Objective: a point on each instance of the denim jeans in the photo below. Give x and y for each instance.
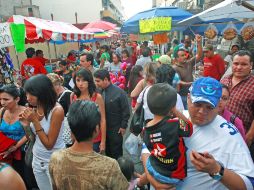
(41, 173)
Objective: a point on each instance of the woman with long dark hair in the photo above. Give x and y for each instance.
(45, 116)
(136, 75)
(85, 89)
(12, 99)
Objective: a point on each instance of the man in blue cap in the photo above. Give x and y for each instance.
(217, 156)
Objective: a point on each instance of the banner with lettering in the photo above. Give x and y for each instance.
(5, 35)
(158, 24)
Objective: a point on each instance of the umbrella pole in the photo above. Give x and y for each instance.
(17, 58)
(49, 51)
(55, 49)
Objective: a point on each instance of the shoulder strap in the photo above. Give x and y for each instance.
(143, 95)
(94, 97)
(232, 118)
(66, 90)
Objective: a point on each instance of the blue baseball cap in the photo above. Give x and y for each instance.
(206, 89)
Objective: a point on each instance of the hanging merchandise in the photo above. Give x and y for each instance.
(230, 32)
(247, 31)
(211, 31)
(160, 38)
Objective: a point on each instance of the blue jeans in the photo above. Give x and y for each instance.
(159, 177)
(41, 173)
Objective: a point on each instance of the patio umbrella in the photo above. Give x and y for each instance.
(92, 30)
(228, 9)
(101, 25)
(131, 26)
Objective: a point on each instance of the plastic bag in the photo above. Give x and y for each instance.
(132, 144)
(247, 31)
(230, 32)
(211, 31)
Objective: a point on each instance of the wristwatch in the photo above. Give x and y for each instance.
(217, 176)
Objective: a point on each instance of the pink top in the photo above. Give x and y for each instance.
(238, 122)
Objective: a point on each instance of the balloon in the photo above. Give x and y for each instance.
(121, 86)
(123, 66)
(122, 79)
(113, 80)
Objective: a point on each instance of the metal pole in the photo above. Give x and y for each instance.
(17, 57)
(49, 51)
(55, 49)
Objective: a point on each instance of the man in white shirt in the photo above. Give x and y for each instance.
(217, 156)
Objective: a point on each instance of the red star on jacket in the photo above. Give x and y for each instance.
(159, 150)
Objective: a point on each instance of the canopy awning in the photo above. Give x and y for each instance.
(39, 30)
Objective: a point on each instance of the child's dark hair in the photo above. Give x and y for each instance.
(225, 87)
(83, 117)
(165, 73)
(15, 92)
(127, 167)
(161, 98)
(87, 76)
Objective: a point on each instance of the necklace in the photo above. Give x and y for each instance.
(40, 115)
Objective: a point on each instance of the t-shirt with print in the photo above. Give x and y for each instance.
(31, 67)
(165, 142)
(222, 140)
(71, 170)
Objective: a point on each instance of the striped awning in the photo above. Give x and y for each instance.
(39, 30)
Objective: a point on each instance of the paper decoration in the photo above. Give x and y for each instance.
(5, 35)
(18, 36)
(158, 24)
(160, 38)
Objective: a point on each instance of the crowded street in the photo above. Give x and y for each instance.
(127, 95)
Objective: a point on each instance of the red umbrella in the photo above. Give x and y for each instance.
(101, 25)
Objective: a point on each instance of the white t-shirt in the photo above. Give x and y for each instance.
(228, 59)
(222, 140)
(147, 112)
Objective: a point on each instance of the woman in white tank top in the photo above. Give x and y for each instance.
(45, 116)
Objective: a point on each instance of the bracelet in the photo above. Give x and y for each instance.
(41, 129)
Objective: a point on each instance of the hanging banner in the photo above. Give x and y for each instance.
(5, 35)
(158, 24)
(18, 35)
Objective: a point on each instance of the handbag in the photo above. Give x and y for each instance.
(29, 146)
(137, 120)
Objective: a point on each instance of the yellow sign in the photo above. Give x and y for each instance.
(158, 24)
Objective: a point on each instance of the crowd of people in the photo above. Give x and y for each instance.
(65, 129)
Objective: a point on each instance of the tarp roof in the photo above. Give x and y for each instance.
(39, 30)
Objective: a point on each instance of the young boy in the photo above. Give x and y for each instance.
(163, 136)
